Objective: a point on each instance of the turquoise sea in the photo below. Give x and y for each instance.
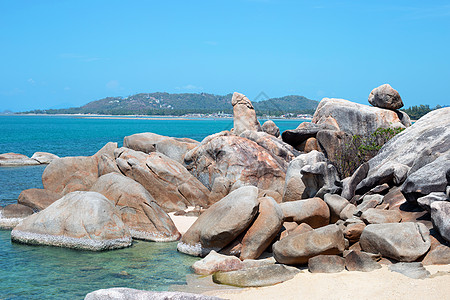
(37, 272)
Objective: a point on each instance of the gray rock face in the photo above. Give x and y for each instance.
(299, 248)
(401, 241)
(326, 264)
(281, 151)
(263, 230)
(13, 214)
(215, 262)
(148, 142)
(132, 294)
(244, 114)
(319, 179)
(416, 147)
(237, 159)
(438, 256)
(254, 277)
(270, 128)
(379, 216)
(385, 96)
(294, 188)
(44, 157)
(221, 223)
(313, 212)
(170, 184)
(80, 220)
(37, 199)
(357, 119)
(14, 159)
(336, 204)
(425, 201)
(360, 261)
(303, 132)
(143, 216)
(349, 186)
(413, 270)
(440, 215)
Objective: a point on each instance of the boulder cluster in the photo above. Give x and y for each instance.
(260, 194)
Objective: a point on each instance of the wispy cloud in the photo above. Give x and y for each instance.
(189, 87)
(79, 57)
(31, 81)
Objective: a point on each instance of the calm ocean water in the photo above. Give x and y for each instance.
(36, 272)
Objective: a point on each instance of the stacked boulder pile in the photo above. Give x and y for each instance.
(269, 203)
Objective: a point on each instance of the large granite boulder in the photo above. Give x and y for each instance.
(237, 159)
(281, 151)
(313, 211)
(336, 204)
(215, 262)
(14, 159)
(221, 223)
(401, 241)
(244, 114)
(263, 230)
(255, 277)
(320, 178)
(13, 214)
(170, 184)
(133, 294)
(422, 148)
(379, 216)
(385, 96)
(79, 220)
(440, 215)
(298, 248)
(271, 128)
(44, 157)
(304, 131)
(326, 264)
(360, 261)
(148, 142)
(38, 199)
(143, 216)
(426, 201)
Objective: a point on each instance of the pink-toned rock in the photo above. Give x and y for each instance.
(44, 157)
(378, 216)
(215, 262)
(244, 114)
(38, 199)
(353, 232)
(313, 211)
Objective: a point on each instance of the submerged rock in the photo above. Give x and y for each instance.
(80, 220)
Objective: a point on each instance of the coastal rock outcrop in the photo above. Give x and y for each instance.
(400, 241)
(221, 223)
(360, 261)
(44, 157)
(14, 159)
(130, 294)
(148, 142)
(326, 264)
(385, 96)
(143, 216)
(170, 184)
(313, 211)
(80, 220)
(440, 214)
(215, 262)
(13, 214)
(271, 128)
(38, 199)
(237, 159)
(244, 114)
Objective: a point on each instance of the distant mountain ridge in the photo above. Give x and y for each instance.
(178, 104)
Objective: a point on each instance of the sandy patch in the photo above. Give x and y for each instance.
(379, 284)
(182, 223)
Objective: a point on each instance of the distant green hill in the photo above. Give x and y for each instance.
(179, 104)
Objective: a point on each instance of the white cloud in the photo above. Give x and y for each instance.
(31, 81)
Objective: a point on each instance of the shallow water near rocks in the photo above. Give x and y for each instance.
(40, 272)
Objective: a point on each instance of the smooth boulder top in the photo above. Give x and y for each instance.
(271, 128)
(385, 96)
(79, 220)
(13, 214)
(244, 114)
(44, 157)
(357, 119)
(14, 159)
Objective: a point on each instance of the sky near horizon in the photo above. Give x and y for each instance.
(56, 54)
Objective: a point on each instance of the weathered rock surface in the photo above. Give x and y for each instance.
(270, 128)
(244, 114)
(385, 96)
(336, 204)
(347, 212)
(303, 132)
(326, 264)
(423, 148)
(170, 184)
(369, 201)
(14, 159)
(148, 142)
(440, 215)
(220, 188)
(237, 159)
(298, 248)
(38, 199)
(440, 255)
(319, 179)
(425, 201)
(263, 230)
(215, 262)
(313, 212)
(281, 151)
(133, 294)
(44, 157)
(144, 217)
(254, 277)
(80, 220)
(349, 186)
(360, 261)
(379, 216)
(221, 223)
(13, 214)
(413, 270)
(353, 232)
(401, 241)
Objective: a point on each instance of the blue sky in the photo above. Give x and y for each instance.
(71, 52)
